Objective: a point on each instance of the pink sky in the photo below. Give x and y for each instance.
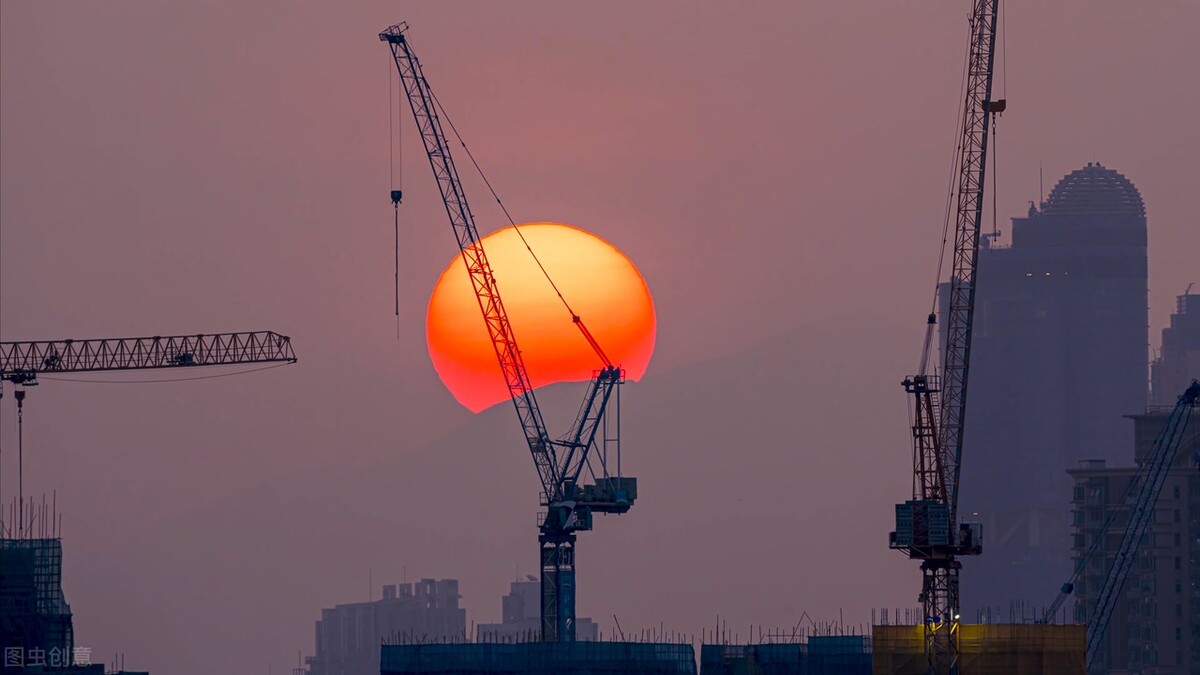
(200, 167)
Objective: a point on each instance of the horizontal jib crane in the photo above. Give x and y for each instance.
(20, 362)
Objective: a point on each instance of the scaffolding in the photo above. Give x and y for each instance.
(33, 611)
(540, 658)
(987, 649)
(820, 655)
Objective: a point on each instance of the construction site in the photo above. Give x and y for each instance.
(1090, 568)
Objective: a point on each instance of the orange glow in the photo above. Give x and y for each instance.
(601, 284)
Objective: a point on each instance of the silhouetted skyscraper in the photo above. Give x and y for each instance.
(1059, 358)
(1178, 362)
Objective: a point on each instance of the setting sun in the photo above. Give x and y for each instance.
(600, 283)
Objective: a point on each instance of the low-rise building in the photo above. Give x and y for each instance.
(348, 637)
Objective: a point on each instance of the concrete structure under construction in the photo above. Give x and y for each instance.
(1059, 358)
(987, 649)
(37, 632)
(522, 620)
(36, 627)
(1155, 626)
(817, 655)
(349, 636)
(996, 649)
(541, 658)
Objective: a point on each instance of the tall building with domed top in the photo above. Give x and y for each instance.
(1059, 358)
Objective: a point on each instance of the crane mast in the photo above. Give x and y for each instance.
(559, 462)
(927, 526)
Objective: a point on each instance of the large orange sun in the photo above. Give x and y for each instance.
(601, 284)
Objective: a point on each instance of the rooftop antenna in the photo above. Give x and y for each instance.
(1041, 188)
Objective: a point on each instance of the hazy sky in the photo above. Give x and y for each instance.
(216, 166)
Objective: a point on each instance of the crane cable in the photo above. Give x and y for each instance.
(395, 147)
(161, 380)
(995, 117)
(503, 208)
(950, 193)
(574, 317)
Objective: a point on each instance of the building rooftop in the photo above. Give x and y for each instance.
(1095, 190)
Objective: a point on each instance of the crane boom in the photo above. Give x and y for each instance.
(559, 462)
(927, 526)
(462, 220)
(20, 362)
(972, 168)
(1148, 483)
(1140, 495)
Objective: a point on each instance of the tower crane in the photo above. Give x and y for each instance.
(22, 362)
(1140, 495)
(560, 462)
(927, 526)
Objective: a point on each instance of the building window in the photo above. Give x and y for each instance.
(1176, 492)
(1177, 515)
(1178, 565)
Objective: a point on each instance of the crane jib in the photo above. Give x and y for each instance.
(22, 361)
(927, 527)
(441, 161)
(1141, 496)
(558, 463)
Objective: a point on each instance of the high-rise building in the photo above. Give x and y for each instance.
(1155, 625)
(1178, 361)
(349, 636)
(1059, 357)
